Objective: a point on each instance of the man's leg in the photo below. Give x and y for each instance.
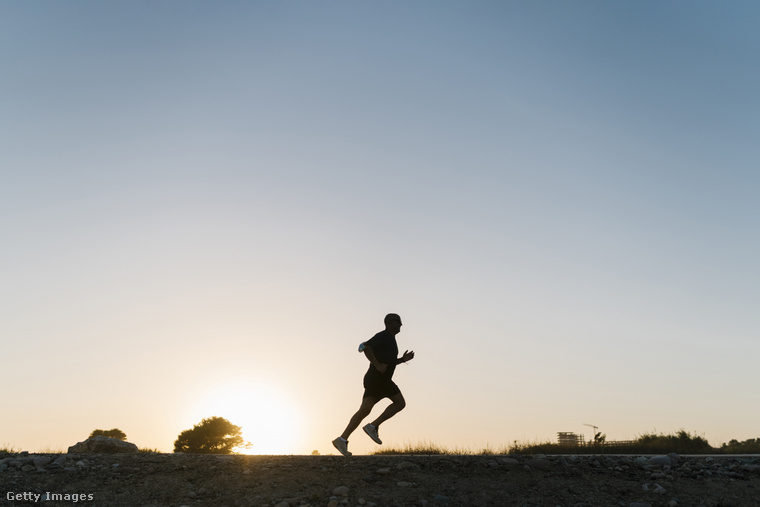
(364, 410)
(394, 408)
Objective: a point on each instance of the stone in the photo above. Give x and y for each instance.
(403, 484)
(661, 461)
(383, 471)
(42, 461)
(539, 463)
(341, 491)
(642, 460)
(103, 445)
(509, 463)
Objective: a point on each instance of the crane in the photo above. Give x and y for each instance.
(593, 438)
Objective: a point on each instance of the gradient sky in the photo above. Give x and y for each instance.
(206, 206)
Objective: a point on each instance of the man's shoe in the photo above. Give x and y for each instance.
(372, 432)
(342, 446)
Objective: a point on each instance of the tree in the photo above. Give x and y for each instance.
(215, 435)
(114, 433)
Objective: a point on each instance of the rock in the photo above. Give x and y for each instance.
(103, 445)
(659, 490)
(509, 463)
(661, 461)
(539, 463)
(403, 484)
(639, 504)
(42, 461)
(405, 465)
(341, 491)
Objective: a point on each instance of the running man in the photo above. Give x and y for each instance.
(382, 352)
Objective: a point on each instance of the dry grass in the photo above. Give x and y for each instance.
(431, 448)
(6, 448)
(680, 442)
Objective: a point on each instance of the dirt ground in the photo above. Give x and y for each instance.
(175, 480)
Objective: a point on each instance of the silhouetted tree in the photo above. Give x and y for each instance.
(215, 435)
(114, 433)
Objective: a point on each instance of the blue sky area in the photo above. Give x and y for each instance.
(559, 198)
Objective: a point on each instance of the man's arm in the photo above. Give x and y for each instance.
(372, 359)
(408, 356)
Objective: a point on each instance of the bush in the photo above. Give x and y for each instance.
(114, 433)
(750, 446)
(215, 435)
(681, 443)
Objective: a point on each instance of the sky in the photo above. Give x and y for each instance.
(206, 206)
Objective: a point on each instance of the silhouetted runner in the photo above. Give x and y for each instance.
(382, 352)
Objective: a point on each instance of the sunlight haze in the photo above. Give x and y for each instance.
(207, 206)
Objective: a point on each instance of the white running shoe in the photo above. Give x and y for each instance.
(342, 446)
(372, 432)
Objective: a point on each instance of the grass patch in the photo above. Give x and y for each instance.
(751, 446)
(149, 451)
(7, 449)
(680, 442)
(51, 450)
(431, 448)
(418, 448)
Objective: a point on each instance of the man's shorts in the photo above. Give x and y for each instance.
(379, 388)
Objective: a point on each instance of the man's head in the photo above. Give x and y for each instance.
(392, 323)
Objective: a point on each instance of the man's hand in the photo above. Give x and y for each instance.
(381, 367)
(408, 356)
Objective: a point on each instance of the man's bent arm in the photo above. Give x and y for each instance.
(408, 356)
(372, 359)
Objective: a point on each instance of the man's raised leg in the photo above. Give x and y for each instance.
(341, 443)
(394, 408)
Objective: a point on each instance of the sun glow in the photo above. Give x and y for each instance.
(269, 421)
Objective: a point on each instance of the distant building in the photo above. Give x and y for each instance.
(570, 439)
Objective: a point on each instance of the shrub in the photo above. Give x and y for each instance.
(750, 446)
(215, 435)
(114, 433)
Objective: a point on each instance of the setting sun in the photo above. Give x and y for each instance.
(269, 421)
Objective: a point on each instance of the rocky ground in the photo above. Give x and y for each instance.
(175, 480)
